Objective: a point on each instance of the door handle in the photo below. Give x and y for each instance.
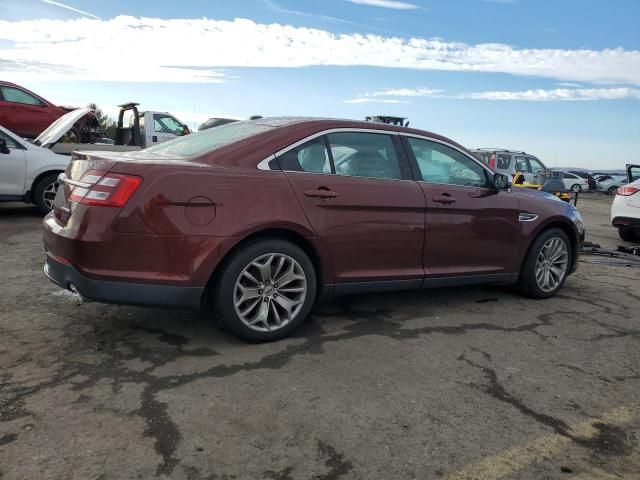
(445, 198)
(320, 193)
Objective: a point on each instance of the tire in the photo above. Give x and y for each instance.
(627, 234)
(44, 193)
(612, 191)
(528, 281)
(261, 287)
(576, 187)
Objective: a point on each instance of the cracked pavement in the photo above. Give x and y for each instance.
(448, 383)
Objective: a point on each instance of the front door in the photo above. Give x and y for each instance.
(24, 114)
(357, 192)
(471, 228)
(12, 168)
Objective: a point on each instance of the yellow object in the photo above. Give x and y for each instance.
(519, 181)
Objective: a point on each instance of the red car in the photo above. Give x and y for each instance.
(262, 218)
(25, 113)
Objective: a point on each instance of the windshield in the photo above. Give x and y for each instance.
(207, 140)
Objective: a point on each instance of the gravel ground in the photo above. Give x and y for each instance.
(449, 383)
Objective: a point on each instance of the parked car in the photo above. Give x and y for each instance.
(509, 162)
(611, 185)
(27, 114)
(261, 218)
(587, 176)
(574, 182)
(28, 173)
(625, 209)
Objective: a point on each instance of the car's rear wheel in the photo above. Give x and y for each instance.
(612, 190)
(576, 187)
(265, 290)
(546, 265)
(44, 193)
(627, 234)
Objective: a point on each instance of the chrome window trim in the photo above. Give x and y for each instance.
(282, 151)
(264, 164)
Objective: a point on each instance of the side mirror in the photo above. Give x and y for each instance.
(3, 146)
(501, 182)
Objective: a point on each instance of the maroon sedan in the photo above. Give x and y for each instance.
(262, 218)
(25, 113)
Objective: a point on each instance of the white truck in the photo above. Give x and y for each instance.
(134, 130)
(29, 171)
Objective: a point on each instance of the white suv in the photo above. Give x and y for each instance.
(625, 210)
(28, 173)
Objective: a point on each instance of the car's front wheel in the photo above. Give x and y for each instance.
(44, 193)
(265, 290)
(546, 265)
(576, 187)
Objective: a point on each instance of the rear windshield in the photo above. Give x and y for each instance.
(207, 140)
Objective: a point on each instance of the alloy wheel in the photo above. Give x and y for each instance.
(49, 195)
(551, 264)
(270, 292)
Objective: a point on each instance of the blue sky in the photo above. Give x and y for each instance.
(560, 79)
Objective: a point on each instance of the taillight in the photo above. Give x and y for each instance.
(627, 190)
(105, 189)
(492, 161)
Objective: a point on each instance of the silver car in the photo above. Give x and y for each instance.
(509, 162)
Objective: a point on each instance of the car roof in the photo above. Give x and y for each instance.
(329, 123)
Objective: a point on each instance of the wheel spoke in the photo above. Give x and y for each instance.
(265, 269)
(247, 294)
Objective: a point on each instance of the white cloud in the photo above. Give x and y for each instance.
(406, 92)
(193, 50)
(67, 7)
(396, 5)
(617, 93)
(363, 100)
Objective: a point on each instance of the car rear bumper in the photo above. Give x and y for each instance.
(623, 222)
(127, 293)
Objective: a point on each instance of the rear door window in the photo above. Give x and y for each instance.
(311, 157)
(359, 154)
(503, 161)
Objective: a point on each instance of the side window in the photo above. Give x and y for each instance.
(167, 124)
(18, 96)
(360, 154)
(522, 165)
(309, 157)
(504, 160)
(536, 165)
(441, 164)
(11, 143)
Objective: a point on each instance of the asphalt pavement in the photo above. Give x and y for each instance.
(456, 383)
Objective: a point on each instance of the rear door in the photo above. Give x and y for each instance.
(13, 167)
(471, 229)
(357, 191)
(633, 173)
